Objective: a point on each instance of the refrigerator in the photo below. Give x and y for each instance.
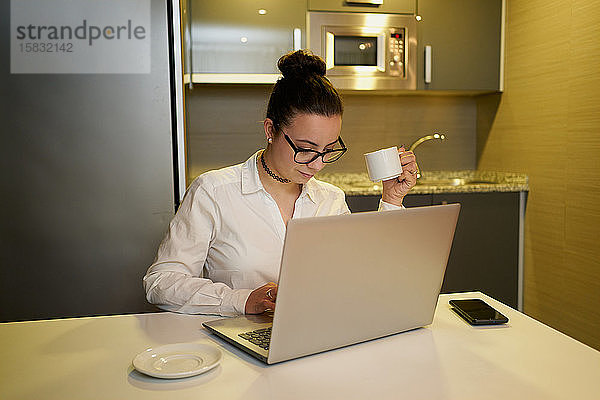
(91, 153)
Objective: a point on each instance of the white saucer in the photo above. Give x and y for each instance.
(178, 360)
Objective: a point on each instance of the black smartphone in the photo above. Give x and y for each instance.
(477, 312)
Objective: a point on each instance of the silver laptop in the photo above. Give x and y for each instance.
(347, 279)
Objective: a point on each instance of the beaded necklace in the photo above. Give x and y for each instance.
(271, 173)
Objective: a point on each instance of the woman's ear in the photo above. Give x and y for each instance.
(269, 129)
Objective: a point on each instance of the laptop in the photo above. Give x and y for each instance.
(348, 279)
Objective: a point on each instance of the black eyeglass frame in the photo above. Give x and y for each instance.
(318, 154)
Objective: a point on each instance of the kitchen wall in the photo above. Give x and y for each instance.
(547, 124)
(225, 127)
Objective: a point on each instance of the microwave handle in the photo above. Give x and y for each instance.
(363, 2)
(427, 64)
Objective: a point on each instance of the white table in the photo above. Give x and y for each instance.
(90, 358)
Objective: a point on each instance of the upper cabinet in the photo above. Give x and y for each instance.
(242, 37)
(377, 6)
(465, 39)
(240, 41)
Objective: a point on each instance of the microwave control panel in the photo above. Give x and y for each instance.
(396, 52)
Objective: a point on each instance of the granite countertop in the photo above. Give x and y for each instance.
(469, 181)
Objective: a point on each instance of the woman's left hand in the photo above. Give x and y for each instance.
(395, 189)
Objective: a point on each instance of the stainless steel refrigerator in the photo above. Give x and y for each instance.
(91, 172)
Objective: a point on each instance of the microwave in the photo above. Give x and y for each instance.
(365, 51)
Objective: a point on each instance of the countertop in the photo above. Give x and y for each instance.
(468, 181)
(90, 358)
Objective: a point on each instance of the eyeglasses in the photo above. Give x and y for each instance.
(306, 156)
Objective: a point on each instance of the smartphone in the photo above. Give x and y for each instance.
(477, 312)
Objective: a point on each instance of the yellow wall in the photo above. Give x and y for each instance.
(547, 124)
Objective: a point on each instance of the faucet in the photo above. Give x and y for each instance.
(416, 144)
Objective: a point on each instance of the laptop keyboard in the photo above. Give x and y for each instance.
(260, 337)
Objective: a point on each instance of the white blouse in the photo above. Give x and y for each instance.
(226, 240)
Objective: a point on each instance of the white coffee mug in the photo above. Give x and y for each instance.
(383, 164)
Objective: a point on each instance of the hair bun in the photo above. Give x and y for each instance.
(301, 64)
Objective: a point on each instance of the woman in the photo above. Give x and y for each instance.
(223, 247)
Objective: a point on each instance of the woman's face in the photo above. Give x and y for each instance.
(306, 131)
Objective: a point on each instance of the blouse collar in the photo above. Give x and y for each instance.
(251, 182)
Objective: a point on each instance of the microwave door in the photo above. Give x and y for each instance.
(350, 52)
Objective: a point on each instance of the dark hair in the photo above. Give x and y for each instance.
(302, 89)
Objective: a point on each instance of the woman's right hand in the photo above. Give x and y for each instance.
(262, 299)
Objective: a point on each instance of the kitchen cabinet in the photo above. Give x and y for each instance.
(371, 203)
(388, 6)
(485, 254)
(243, 37)
(240, 41)
(466, 44)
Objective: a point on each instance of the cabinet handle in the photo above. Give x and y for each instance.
(427, 64)
(297, 39)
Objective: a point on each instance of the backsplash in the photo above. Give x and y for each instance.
(225, 127)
